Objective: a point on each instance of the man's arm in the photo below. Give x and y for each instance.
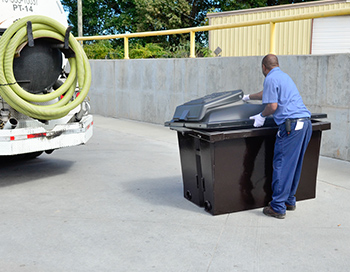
(269, 109)
(259, 119)
(256, 96)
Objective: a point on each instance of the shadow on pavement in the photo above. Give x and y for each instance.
(18, 170)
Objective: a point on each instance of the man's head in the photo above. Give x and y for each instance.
(269, 62)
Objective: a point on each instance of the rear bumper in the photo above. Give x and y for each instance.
(27, 140)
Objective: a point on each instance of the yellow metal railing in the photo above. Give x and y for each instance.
(193, 30)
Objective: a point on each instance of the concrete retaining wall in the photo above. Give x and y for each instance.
(150, 89)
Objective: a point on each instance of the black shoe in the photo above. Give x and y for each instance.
(270, 212)
(291, 207)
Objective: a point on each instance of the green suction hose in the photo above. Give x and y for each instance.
(28, 103)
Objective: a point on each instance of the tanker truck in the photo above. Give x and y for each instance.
(45, 77)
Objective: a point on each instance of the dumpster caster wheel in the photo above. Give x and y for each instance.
(188, 195)
(207, 206)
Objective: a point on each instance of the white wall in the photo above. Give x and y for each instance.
(331, 35)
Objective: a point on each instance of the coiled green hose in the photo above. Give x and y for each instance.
(28, 103)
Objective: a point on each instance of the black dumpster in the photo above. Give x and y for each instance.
(226, 162)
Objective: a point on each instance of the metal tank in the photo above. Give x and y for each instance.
(45, 77)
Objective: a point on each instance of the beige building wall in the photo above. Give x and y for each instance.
(292, 38)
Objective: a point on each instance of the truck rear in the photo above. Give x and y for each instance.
(45, 77)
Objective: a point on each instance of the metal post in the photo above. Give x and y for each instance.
(272, 38)
(126, 48)
(80, 19)
(193, 44)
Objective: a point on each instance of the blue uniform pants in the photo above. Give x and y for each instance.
(287, 163)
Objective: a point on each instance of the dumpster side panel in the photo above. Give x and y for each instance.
(208, 166)
(237, 173)
(190, 162)
(222, 189)
(307, 183)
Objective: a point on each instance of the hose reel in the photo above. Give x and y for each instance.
(34, 102)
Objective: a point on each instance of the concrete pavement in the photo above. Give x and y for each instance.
(116, 204)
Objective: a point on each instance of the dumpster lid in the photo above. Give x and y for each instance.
(223, 110)
(195, 110)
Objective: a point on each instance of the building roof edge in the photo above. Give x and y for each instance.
(273, 8)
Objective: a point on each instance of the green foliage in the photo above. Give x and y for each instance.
(183, 50)
(105, 50)
(96, 16)
(150, 50)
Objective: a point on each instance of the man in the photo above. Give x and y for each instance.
(283, 101)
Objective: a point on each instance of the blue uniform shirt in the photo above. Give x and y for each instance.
(280, 88)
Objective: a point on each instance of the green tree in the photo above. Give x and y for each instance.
(98, 16)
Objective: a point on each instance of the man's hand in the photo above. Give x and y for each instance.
(259, 120)
(246, 98)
